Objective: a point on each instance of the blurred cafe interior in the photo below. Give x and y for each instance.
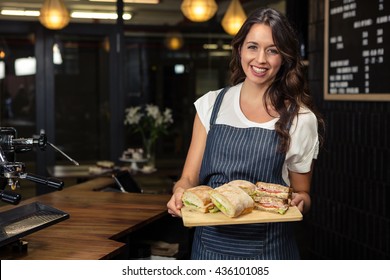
(64, 91)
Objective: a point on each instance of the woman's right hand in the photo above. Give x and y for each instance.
(175, 203)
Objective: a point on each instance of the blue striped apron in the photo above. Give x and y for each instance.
(250, 154)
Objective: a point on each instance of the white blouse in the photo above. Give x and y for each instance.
(304, 137)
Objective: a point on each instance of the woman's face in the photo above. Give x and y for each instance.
(260, 59)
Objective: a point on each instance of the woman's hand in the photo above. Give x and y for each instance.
(175, 203)
(300, 182)
(301, 200)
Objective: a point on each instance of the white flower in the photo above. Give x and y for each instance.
(153, 111)
(167, 117)
(148, 120)
(133, 115)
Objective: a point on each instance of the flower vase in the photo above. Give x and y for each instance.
(150, 152)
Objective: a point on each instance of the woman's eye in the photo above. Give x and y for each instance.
(252, 47)
(273, 51)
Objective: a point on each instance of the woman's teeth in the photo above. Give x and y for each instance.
(259, 70)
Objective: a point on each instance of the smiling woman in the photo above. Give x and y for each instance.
(246, 131)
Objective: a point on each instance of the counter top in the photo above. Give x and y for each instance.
(97, 221)
(158, 182)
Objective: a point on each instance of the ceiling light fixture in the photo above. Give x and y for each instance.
(234, 18)
(199, 10)
(54, 14)
(25, 13)
(216, 46)
(95, 15)
(130, 1)
(75, 14)
(174, 41)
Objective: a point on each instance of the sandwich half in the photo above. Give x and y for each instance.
(247, 186)
(272, 197)
(271, 204)
(198, 199)
(268, 189)
(231, 200)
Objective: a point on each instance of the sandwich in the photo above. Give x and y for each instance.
(271, 204)
(269, 189)
(247, 186)
(232, 200)
(198, 199)
(272, 197)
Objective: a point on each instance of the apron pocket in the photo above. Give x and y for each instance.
(242, 241)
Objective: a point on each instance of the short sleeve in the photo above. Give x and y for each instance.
(204, 107)
(304, 144)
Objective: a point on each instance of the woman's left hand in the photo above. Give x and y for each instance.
(301, 200)
(300, 182)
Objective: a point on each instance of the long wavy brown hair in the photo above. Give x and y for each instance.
(290, 82)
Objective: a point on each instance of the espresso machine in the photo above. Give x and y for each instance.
(23, 220)
(11, 171)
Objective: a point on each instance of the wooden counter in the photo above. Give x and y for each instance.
(97, 221)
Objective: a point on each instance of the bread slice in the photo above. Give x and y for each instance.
(231, 200)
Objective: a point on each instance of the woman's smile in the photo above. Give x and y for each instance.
(259, 70)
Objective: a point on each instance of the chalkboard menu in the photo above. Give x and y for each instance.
(357, 50)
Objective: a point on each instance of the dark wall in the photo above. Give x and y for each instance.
(350, 216)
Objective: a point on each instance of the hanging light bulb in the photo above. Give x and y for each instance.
(199, 10)
(174, 41)
(54, 14)
(234, 18)
(4, 51)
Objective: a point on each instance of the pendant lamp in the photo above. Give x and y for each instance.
(199, 10)
(174, 41)
(234, 18)
(54, 14)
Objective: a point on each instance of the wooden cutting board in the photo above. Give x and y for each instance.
(194, 218)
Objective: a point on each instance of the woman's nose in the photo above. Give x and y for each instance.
(261, 56)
